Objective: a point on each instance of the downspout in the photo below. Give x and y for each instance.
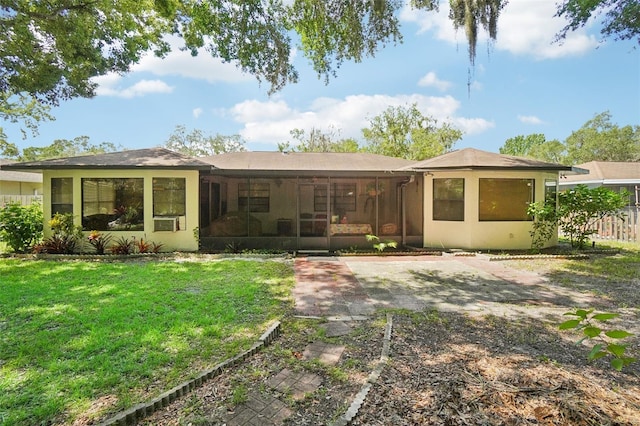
(403, 208)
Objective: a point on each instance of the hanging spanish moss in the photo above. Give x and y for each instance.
(471, 14)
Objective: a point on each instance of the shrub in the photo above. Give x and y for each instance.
(65, 236)
(99, 241)
(545, 224)
(21, 226)
(123, 245)
(142, 245)
(579, 209)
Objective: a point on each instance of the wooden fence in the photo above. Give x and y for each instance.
(612, 228)
(22, 199)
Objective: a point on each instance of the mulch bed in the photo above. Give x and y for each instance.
(445, 369)
(448, 369)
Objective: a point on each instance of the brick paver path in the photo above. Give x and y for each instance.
(268, 410)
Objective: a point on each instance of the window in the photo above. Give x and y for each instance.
(169, 196)
(61, 195)
(448, 199)
(551, 192)
(113, 204)
(505, 199)
(253, 197)
(343, 198)
(320, 198)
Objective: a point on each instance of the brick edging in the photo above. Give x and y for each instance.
(538, 256)
(138, 412)
(357, 402)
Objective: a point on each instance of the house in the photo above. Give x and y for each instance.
(467, 199)
(614, 175)
(23, 187)
(478, 200)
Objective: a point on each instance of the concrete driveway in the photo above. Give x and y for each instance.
(358, 286)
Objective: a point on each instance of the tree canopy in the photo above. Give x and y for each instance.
(597, 140)
(402, 132)
(50, 50)
(405, 132)
(197, 144)
(59, 148)
(621, 17)
(535, 146)
(317, 140)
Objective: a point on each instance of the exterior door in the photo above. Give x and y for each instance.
(313, 215)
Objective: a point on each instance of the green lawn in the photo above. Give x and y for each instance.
(81, 338)
(626, 265)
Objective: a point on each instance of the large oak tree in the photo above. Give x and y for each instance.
(51, 49)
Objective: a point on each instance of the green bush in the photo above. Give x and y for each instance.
(21, 226)
(581, 207)
(66, 236)
(545, 224)
(576, 215)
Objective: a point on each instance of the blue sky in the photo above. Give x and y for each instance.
(523, 84)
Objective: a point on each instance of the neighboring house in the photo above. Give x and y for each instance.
(23, 187)
(467, 199)
(614, 175)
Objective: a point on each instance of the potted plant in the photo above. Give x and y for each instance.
(371, 189)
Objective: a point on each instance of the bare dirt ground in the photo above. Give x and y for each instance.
(450, 368)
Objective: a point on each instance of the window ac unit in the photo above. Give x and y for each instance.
(165, 224)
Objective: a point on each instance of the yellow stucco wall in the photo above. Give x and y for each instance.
(472, 233)
(182, 240)
(20, 188)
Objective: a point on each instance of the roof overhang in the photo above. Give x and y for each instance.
(560, 169)
(309, 173)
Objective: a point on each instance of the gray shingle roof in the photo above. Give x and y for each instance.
(291, 162)
(14, 176)
(306, 161)
(151, 158)
(471, 158)
(601, 171)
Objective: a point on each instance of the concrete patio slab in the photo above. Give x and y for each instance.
(358, 286)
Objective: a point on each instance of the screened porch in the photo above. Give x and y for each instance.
(315, 213)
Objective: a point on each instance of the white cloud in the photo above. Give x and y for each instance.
(182, 63)
(432, 80)
(271, 121)
(476, 86)
(530, 119)
(525, 27)
(197, 112)
(473, 126)
(249, 111)
(528, 27)
(108, 85)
